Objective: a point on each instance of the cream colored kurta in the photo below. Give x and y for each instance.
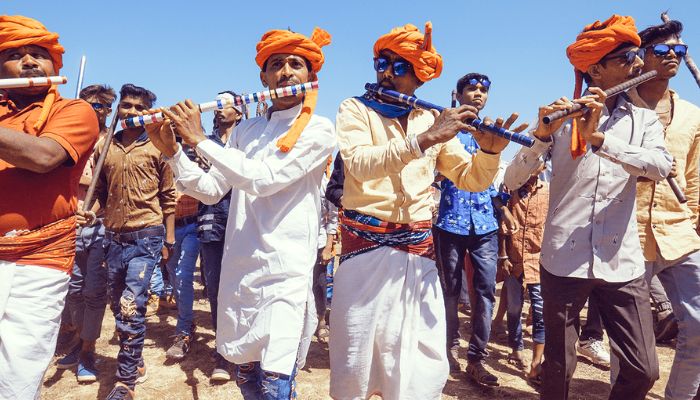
(270, 246)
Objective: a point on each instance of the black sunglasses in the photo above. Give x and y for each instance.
(400, 67)
(484, 82)
(662, 49)
(629, 56)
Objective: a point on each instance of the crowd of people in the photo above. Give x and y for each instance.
(425, 214)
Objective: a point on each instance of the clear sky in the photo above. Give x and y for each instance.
(195, 49)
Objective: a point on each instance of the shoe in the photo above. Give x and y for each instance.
(453, 359)
(477, 373)
(167, 303)
(666, 329)
(152, 305)
(220, 373)
(67, 340)
(180, 346)
(594, 350)
(120, 392)
(87, 372)
(71, 359)
(143, 374)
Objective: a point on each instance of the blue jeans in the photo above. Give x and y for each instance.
(515, 308)
(181, 266)
(130, 264)
(681, 279)
(157, 284)
(258, 384)
(212, 252)
(450, 250)
(87, 288)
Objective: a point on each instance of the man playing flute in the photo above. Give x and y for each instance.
(591, 245)
(388, 316)
(45, 142)
(666, 226)
(273, 166)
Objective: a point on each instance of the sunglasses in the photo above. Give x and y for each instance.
(662, 49)
(400, 67)
(98, 106)
(629, 56)
(484, 82)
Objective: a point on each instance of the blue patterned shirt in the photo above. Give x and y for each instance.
(465, 213)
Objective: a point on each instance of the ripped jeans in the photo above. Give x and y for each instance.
(258, 384)
(131, 259)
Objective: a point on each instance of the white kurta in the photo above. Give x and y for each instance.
(271, 235)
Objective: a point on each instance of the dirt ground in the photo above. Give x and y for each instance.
(189, 378)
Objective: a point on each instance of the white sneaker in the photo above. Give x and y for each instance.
(595, 351)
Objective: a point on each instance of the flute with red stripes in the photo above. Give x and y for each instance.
(226, 100)
(13, 83)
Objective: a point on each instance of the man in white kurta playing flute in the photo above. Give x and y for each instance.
(388, 316)
(273, 164)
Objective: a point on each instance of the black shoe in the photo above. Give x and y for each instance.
(453, 359)
(666, 329)
(180, 347)
(220, 373)
(120, 392)
(476, 371)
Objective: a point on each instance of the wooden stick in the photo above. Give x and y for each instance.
(87, 203)
(687, 58)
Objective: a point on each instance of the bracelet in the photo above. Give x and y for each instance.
(502, 258)
(168, 245)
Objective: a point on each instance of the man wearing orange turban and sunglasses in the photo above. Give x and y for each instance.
(45, 141)
(272, 165)
(388, 317)
(591, 243)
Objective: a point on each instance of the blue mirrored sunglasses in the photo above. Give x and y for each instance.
(484, 82)
(662, 49)
(400, 67)
(98, 106)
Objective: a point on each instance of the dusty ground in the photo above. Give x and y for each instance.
(189, 379)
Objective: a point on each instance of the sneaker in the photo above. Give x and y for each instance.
(477, 373)
(180, 346)
(143, 374)
(71, 359)
(666, 329)
(120, 392)
(220, 373)
(152, 305)
(452, 359)
(594, 350)
(87, 372)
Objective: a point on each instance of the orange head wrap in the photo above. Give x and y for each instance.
(17, 31)
(595, 42)
(287, 42)
(408, 42)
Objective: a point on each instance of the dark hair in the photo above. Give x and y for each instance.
(663, 31)
(103, 93)
(463, 81)
(129, 90)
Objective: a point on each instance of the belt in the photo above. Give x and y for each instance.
(186, 220)
(122, 237)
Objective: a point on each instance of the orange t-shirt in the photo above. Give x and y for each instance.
(32, 200)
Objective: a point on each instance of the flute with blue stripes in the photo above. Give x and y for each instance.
(227, 100)
(523, 140)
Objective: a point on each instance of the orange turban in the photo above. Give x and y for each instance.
(409, 43)
(17, 31)
(595, 42)
(279, 41)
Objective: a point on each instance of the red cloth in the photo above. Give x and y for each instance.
(287, 42)
(51, 246)
(591, 45)
(408, 42)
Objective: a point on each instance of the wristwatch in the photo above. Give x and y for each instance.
(169, 245)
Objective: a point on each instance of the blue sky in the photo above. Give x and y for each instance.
(195, 49)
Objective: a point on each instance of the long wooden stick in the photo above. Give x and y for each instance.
(87, 203)
(687, 58)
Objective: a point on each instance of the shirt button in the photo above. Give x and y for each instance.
(654, 226)
(654, 204)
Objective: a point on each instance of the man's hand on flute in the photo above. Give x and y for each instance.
(491, 143)
(162, 135)
(589, 116)
(186, 119)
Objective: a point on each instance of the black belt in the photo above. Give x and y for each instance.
(186, 220)
(122, 237)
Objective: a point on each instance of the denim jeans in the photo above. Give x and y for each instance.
(450, 250)
(258, 384)
(681, 279)
(87, 288)
(181, 266)
(515, 308)
(212, 252)
(130, 264)
(157, 284)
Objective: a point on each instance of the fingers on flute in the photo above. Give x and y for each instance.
(511, 120)
(598, 93)
(169, 114)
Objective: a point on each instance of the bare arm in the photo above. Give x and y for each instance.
(36, 154)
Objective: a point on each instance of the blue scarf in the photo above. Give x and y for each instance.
(384, 109)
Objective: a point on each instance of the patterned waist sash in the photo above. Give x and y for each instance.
(363, 233)
(51, 245)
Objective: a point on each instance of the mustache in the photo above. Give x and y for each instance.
(286, 82)
(32, 73)
(387, 84)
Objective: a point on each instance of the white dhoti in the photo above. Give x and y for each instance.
(31, 302)
(387, 328)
